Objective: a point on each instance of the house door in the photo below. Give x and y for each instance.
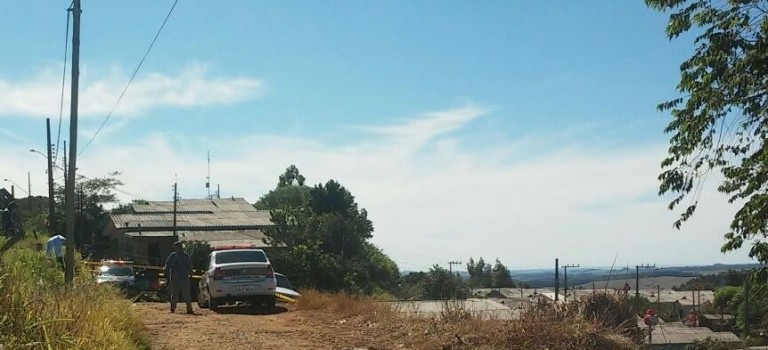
(153, 250)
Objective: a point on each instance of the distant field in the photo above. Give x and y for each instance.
(666, 282)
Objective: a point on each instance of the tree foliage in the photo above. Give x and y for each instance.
(732, 299)
(439, 284)
(92, 195)
(482, 275)
(200, 252)
(326, 236)
(721, 120)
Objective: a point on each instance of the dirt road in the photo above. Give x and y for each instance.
(244, 328)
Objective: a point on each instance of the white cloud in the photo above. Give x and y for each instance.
(193, 86)
(433, 200)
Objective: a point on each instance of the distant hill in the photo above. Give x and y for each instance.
(541, 278)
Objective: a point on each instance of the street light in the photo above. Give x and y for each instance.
(46, 157)
(17, 185)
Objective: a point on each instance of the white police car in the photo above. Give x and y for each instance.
(237, 274)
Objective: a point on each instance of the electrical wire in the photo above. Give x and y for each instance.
(63, 82)
(135, 71)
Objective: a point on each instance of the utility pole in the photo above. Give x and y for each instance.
(637, 281)
(565, 280)
(29, 185)
(747, 301)
(51, 202)
(69, 258)
(557, 279)
(450, 265)
(208, 178)
(175, 198)
(64, 159)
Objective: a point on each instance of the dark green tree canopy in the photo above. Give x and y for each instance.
(721, 120)
(291, 177)
(327, 238)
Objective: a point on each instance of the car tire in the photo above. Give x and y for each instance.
(270, 302)
(201, 302)
(213, 304)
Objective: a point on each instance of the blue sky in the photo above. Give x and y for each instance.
(483, 126)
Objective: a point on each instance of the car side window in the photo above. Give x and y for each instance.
(211, 261)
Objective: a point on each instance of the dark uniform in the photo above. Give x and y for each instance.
(178, 268)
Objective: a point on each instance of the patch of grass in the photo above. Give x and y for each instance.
(37, 311)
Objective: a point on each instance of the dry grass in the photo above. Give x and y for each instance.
(38, 312)
(371, 324)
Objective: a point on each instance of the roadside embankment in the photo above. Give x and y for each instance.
(37, 311)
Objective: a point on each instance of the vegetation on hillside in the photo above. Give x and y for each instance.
(38, 312)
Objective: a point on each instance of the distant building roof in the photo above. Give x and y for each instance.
(676, 333)
(214, 205)
(234, 213)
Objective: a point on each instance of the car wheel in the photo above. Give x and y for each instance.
(270, 302)
(213, 304)
(201, 302)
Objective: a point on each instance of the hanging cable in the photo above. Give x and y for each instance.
(135, 71)
(63, 81)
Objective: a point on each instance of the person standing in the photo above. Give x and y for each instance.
(178, 268)
(54, 248)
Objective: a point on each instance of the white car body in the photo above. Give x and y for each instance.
(284, 287)
(120, 275)
(237, 275)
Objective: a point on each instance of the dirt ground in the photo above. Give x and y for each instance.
(234, 328)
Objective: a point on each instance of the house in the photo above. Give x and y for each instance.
(674, 335)
(146, 233)
(718, 323)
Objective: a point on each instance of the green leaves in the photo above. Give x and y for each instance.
(721, 120)
(326, 235)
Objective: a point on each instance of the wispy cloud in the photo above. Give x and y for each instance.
(447, 201)
(39, 95)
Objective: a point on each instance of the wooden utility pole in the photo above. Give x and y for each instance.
(557, 279)
(51, 202)
(637, 281)
(565, 280)
(450, 265)
(29, 186)
(69, 272)
(175, 199)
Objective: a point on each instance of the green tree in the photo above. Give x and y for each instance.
(720, 122)
(327, 238)
(501, 276)
(291, 177)
(480, 275)
(439, 284)
(92, 195)
(200, 252)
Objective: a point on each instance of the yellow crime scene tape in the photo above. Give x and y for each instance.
(285, 298)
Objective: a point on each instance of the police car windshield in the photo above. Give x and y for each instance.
(239, 256)
(117, 271)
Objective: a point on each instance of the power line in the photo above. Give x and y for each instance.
(136, 71)
(63, 82)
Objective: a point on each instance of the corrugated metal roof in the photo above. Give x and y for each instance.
(196, 205)
(254, 218)
(676, 333)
